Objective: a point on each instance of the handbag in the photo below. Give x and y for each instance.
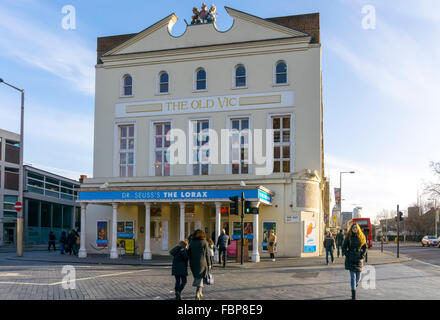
(208, 279)
(271, 243)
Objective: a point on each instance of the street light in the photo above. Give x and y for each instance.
(340, 187)
(20, 182)
(436, 216)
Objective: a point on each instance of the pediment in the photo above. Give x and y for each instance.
(245, 28)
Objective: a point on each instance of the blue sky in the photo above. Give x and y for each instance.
(381, 109)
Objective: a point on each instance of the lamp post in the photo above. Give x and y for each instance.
(340, 187)
(435, 216)
(20, 182)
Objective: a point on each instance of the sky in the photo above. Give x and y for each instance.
(380, 84)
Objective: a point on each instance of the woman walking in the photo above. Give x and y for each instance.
(211, 251)
(271, 244)
(199, 260)
(180, 267)
(354, 249)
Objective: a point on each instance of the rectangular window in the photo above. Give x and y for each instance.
(282, 144)
(126, 151)
(200, 147)
(240, 146)
(33, 213)
(161, 149)
(46, 215)
(8, 206)
(67, 217)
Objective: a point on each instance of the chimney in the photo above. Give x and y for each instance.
(82, 177)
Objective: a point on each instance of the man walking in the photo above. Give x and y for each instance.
(340, 241)
(329, 245)
(222, 245)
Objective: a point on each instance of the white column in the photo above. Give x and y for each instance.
(114, 251)
(182, 221)
(218, 225)
(147, 250)
(255, 252)
(82, 253)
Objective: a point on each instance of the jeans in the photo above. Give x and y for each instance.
(62, 248)
(222, 252)
(180, 283)
(272, 255)
(354, 274)
(52, 244)
(339, 250)
(327, 251)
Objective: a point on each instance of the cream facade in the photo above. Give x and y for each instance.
(257, 75)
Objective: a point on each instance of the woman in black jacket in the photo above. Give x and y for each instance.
(180, 267)
(199, 260)
(354, 249)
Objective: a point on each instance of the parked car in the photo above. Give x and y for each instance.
(429, 241)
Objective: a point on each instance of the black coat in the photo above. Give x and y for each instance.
(329, 243)
(199, 259)
(354, 253)
(180, 261)
(339, 239)
(71, 239)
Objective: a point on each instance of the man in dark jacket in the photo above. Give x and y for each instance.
(71, 240)
(340, 241)
(52, 241)
(180, 267)
(222, 244)
(329, 245)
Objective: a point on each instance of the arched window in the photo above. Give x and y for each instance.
(240, 76)
(128, 85)
(163, 82)
(201, 79)
(281, 73)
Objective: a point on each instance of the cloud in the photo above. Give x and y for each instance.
(27, 41)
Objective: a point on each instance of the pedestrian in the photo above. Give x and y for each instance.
(63, 241)
(222, 245)
(211, 251)
(272, 241)
(340, 241)
(77, 243)
(354, 249)
(199, 260)
(70, 242)
(329, 245)
(180, 267)
(52, 240)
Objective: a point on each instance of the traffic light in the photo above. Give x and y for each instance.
(400, 216)
(233, 206)
(247, 207)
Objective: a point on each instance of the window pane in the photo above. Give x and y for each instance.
(123, 131)
(282, 78)
(286, 123)
(122, 171)
(286, 152)
(276, 152)
(201, 85)
(130, 158)
(130, 143)
(286, 166)
(245, 124)
(276, 136)
(158, 142)
(196, 169)
(240, 71)
(123, 144)
(201, 75)
(158, 170)
(236, 124)
(276, 166)
(286, 136)
(123, 158)
(128, 81)
(131, 131)
(45, 215)
(164, 87)
(159, 157)
(205, 169)
(276, 123)
(235, 168)
(127, 91)
(33, 213)
(281, 68)
(130, 171)
(158, 129)
(244, 154)
(57, 215)
(166, 170)
(164, 77)
(205, 125)
(240, 82)
(244, 168)
(167, 128)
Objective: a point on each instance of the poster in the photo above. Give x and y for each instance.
(267, 226)
(125, 229)
(309, 236)
(232, 248)
(102, 233)
(248, 232)
(126, 244)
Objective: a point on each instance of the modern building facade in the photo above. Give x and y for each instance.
(179, 123)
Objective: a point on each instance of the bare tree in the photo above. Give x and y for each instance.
(433, 188)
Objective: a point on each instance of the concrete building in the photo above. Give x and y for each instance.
(357, 213)
(259, 74)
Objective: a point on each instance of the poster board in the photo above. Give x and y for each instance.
(125, 229)
(309, 236)
(248, 230)
(102, 233)
(126, 244)
(267, 226)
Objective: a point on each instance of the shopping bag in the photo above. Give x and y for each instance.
(208, 279)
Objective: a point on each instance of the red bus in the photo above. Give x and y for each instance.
(365, 225)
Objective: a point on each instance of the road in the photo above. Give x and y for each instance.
(269, 281)
(416, 251)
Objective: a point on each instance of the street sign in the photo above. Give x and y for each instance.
(18, 206)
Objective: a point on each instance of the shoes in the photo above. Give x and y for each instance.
(353, 294)
(327, 263)
(273, 259)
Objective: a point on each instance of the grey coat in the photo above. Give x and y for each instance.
(199, 260)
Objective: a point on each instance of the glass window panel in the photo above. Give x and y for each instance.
(235, 168)
(282, 78)
(244, 168)
(201, 85)
(164, 87)
(167, 128)
(244, 124)
(205, 125)
(159, 157)
(166, 170)
(235, 137)
(198, 127)
(167, 143)
(130, 143)
(286, 135)
(123, 131)
(45, 215)
(127, 91)
(128, 81)
(286, 123)
(240, 71)
(158, 129)
(164, 77)
(281, 67)
(235, 154)
(196, 169)
(276, 166)
(57, 216)
(205, 169)
(158, 170)
(245, 137)
(286, 166)
(244, 154)
(286, 152)
(67, 217)
(131, 131)
(240, 82)
(201, 75)
(130, 171)
(276, 152)
(33, 213)
(53, 181)
(158, 142)
(276, 123)
(236, 124)
(123, 144)
(130, 158)
(122, 171)
(123, 158)
(276, 136)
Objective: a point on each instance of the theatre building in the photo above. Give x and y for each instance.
(183, 123)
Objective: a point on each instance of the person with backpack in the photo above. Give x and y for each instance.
(63, 241)
(52, 240)
(180, 267)
(329, 245)
(354, 249)
(340, 241)
(222, 244)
